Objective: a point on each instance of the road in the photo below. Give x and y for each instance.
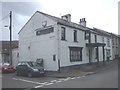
(103, 79)
(107, 78)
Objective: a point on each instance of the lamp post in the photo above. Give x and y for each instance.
(10, 28)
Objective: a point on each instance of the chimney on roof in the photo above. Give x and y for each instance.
(83, 22)
(66, 17)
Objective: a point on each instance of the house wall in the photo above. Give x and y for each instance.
(64, 47)
(114, 47)
(33, 47)
(100, 40)
(15, 56)
(108, 48)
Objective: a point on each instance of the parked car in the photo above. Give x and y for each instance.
(6, 67)
(29, 68)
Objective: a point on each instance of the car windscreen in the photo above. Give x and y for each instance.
(33, 64)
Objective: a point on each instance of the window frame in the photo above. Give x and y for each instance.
(63, 33)
(75, 54)
(75, 35)
(95, 38)
(108, 42)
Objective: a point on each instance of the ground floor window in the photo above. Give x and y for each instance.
(75, 54)
(108, 54)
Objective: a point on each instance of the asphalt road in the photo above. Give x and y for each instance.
(107, 78)
(104, 79)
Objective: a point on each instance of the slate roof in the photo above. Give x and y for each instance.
(102, 32)
(64, 22)
(72, 24)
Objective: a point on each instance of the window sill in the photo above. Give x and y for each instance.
(75, 41)
(75, 60)
(63, 40)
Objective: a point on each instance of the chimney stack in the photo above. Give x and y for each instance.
(67, 17)
(83, 22)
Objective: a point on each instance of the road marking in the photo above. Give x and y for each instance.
(53, 81)
(78, 77)
(73, 78)
(29, 81)
(62, 79)
(39, 86)
(83, 76)
(58, 81)
(49, 84)
(15, 78)
(67, 78)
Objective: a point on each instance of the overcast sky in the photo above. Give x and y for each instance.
(102, 14)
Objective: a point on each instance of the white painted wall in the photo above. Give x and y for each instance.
(99, 40)
(64, 46)
(43, 46)
(15, 56)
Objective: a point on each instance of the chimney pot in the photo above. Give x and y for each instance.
(67, 17)
(83, 22)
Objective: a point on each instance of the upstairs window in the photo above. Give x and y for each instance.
(103, 39)
(63, 33)
(95, 38)
(113, 41)
(116, 42)
(75, 36)
(108, 42)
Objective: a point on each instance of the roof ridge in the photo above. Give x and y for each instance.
(101, 30)
(60, 19)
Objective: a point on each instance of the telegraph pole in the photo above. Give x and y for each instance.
(10, 28)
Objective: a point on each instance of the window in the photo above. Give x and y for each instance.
(75, 36)
(54, 57)
(103, 39)
(87, 36)
(116, 42)
(96, 53)
(62, 33)
(108, 53)
(17, 54)
(113, 41)
(95, 38)
(75, 54)
(108, 42)
(45, 31)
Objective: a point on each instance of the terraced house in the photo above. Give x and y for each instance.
(62, 43)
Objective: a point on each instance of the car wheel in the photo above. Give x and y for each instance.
(29, 74)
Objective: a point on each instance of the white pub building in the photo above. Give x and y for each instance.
(62, 43)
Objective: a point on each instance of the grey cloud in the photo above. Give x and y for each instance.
(23, 8)
(26, 9)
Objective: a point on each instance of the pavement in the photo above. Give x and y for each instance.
(84, 70)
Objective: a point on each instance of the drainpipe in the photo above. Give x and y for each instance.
(58, 48)
(103, 55)
(89, 48)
